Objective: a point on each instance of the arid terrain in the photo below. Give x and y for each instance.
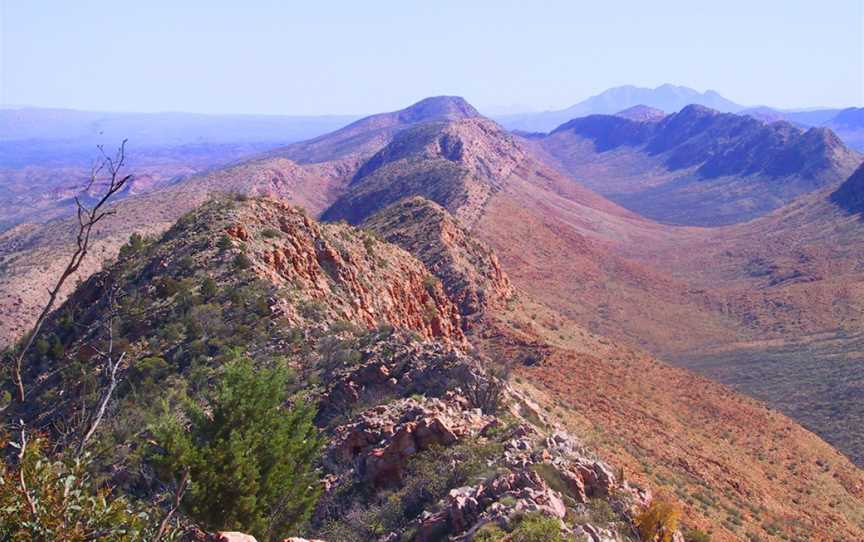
(589, 259)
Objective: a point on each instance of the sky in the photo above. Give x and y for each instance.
(358, 57)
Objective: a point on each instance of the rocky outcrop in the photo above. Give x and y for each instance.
(538, 472)
(340, 273)
(548, 476)
(468, 269)
(398, 367)
(378, 444)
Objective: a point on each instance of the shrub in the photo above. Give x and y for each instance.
(537, 528)
(167, 287)
(57, 351)
(224, 243)
(658, 521)
(209, 289)
(250, 460)
(490, 532)
(270, 233)
(66, 504)
(135, 244)
(242, 261)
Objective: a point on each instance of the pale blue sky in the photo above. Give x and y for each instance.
(312, 57)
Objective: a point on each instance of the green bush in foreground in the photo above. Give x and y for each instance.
(63, 504)
(249, 459)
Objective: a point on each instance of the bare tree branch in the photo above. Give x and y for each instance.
(22, 481)
(178, 496)
(103, 404)
(110, 368)
(88, 217)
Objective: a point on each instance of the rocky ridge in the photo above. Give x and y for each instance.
(400, 396)
(468, 269)
(699, 166)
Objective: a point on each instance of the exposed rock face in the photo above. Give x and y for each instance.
(457, 165)
(398, 368)
(339, 271)
(384, 438)
(536, 463)
(468, 269)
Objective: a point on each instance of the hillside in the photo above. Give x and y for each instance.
(667, 98)
(669, 290)
(793, 278)
(606, 270)
(376, 348)
(311, 174)
(338, 305)
(699, 166)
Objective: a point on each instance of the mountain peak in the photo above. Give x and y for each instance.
(641, 113)
(438, 108)
(697, 110)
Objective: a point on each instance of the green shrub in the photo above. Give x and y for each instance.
(242, 261)
(270, 233)
(167, 287)
(67, 505)
(224, 243)
(537, 528)
(250, 459)
(134, 246)
(490, 532)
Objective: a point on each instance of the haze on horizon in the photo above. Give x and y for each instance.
(269, 57)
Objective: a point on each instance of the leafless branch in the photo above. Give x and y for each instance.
(88, 217)
(111, 366)
(178, 496)
(22, 481)
(103, 404)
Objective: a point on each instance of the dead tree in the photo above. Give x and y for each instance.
(109, 167)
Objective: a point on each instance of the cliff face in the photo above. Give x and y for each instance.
(346, 272)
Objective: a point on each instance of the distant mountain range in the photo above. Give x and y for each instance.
(672, 98)
(667, 98)
(699, 166)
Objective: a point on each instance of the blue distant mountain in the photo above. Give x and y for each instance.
(668, 98)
